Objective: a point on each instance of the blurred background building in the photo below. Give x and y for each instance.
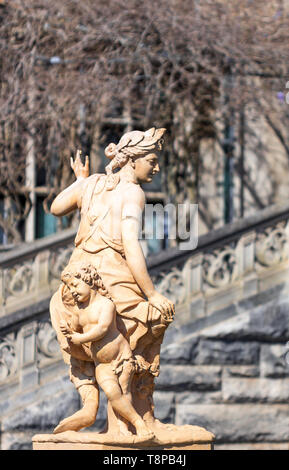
(215, 74)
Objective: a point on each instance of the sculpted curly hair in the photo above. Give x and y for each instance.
(133, 145)
(88, 274)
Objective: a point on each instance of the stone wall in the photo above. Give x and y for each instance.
(232, 377)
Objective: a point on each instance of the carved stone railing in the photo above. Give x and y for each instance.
(235, 258)
(31, 272)
(26, 352)
(229, 264)
(29, 275)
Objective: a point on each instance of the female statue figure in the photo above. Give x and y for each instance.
(111, 205)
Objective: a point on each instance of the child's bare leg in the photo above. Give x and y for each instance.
(125, 378)
(82, 377)
(119, 402)
(84, 417)
(116, 423)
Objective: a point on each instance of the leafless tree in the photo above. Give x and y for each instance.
(187, 65)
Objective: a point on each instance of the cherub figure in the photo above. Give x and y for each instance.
(93, 325)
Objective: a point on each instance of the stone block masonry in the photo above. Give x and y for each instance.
(234, 376)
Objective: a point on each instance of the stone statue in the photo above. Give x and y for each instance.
(108, 316)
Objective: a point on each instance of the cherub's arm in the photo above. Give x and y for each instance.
(97, 331)
(68, 200)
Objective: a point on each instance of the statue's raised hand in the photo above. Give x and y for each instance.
(80, 170)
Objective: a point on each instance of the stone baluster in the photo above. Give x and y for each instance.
(194, 284)
(41, 270)
(250, 283)
(248, 241)
(2, 291)
(9, 360)
(28, 351)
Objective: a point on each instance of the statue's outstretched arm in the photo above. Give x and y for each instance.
(69, 199)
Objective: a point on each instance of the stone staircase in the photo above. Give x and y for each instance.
(225, 361)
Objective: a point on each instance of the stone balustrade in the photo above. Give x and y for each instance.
(239, 260)
(31, 272)
(228, 263)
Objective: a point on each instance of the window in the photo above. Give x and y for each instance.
(45, 223)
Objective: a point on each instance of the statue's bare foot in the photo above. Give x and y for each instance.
(157, 425)
(143, 430)
(172, 427)
(123, 429)
(167, 426)
(81, 419)
(117, 433)
(126, 432)
(67, 424)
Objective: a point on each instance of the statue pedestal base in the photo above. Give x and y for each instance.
(181, 438)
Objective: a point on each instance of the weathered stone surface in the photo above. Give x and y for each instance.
(269, 322)
(261, 298)
(164, 406)
(176, 333)
(250, 285)
(5, 401)
(21, 398)
(44, 414)
(180, 378)
(197, 307)
(191, 398)
(241, 371)
(255, 390)
(257, 446)
(238, 423)
(226, 352)
(17, 440)
(274, 360)
(275, 276)
(179, 352)
(223, 298)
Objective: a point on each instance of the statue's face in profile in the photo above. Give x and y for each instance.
(146, 167)
(80, 291)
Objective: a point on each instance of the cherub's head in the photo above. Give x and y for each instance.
(81, 280)
(139, 150)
